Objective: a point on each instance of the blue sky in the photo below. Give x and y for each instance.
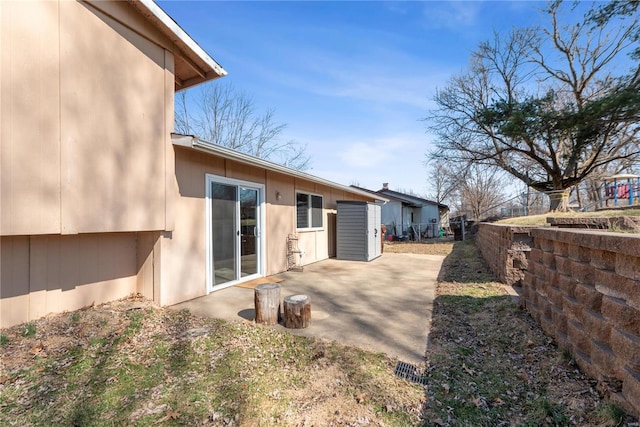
(350, 79)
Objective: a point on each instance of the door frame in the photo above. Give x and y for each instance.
(261, 234)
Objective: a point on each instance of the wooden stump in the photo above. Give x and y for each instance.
(267, 302)
(297, 311)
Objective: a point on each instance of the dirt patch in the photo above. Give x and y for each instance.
(436, 247)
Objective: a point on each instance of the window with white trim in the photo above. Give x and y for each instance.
(308, 211)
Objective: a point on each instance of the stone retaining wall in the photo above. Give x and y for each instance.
(611, 223)
(583, 288)
(505, 249)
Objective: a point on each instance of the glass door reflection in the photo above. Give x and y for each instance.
(223, 232)
(248, 231)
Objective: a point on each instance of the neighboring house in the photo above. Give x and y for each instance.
(404, 211)
(98, 199)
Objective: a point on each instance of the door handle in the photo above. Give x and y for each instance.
(238, 233)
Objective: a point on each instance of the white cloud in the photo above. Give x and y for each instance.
(407, 90)
(377, 66)
(397, 160)
(382, 77)
(451, 15)
(376, 153)
(361, 155)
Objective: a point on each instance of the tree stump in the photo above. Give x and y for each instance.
(297, 311)
(267, 302)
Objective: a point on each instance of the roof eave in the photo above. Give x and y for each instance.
(411, 200)
(196, 143)
(200, 61)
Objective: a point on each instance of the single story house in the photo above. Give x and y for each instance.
(236, 214)
(100, 199)
(406, 214)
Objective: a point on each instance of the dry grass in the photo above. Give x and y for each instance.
(429, 247)
(490, 363)
(130, 363)
(541, 220)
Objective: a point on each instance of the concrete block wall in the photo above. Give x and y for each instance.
(505, 249)
(583, 287)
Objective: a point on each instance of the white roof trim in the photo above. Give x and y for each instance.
(196, 143)
(182, 35)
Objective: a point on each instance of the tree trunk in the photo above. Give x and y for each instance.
(297, 311)
(558, 200)
(267, 303)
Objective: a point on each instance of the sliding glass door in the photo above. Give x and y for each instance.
(234, 231)
(248, 231)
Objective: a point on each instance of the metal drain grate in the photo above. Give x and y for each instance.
(411, 373)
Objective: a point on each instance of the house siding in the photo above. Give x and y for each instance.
(93, 159)
(86, 160)
(183, 269)
(95, 201)
(52, 273)
(400, 208)
(430, 220)
(429, 213)
(29, 114)
(392, 215)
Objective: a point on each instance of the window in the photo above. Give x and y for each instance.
(308, 211)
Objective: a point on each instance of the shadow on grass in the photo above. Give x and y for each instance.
(108, 374)
(465, 265)
(74, 384)
(489, 363)
(122, 367)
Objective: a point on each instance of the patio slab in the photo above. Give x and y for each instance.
(382, 306)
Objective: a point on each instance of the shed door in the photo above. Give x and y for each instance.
(373, 231)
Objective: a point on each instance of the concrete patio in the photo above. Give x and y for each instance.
(383, 306)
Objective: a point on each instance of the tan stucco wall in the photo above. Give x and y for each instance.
(183, 267)
(147, 256)
(281, 221)
(52, 273)
(91, 206)
(86, 161)
(86, 110)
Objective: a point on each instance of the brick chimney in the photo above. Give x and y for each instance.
(385, 185)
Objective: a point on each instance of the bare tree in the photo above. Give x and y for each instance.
(545, 104)
(227, 117)
(480, 190)
(535, 202)
(471, 189)
(440, 180)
